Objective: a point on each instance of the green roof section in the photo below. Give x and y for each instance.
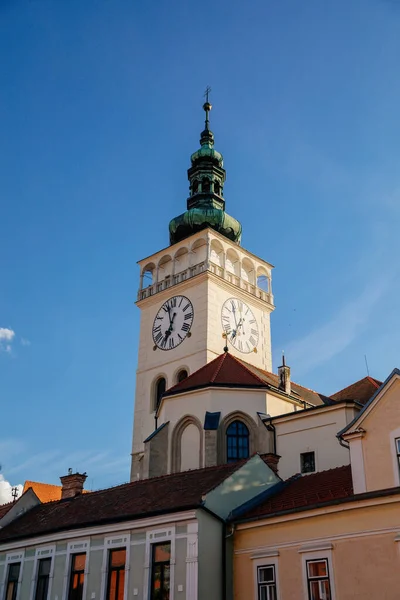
(206, 204)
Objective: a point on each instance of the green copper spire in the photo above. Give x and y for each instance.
(206, 204)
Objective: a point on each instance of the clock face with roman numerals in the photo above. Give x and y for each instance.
(240, 325)
(173, 322)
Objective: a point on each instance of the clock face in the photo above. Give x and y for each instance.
(240, 325)
(173, 322)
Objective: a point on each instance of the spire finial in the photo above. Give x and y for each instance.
(207, 106)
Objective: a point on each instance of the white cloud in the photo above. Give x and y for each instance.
(333, 337)
(6, 490)
(25, 342)
(6, 339)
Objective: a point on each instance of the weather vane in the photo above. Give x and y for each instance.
(206, 93)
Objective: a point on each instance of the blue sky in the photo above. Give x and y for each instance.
(100, 108)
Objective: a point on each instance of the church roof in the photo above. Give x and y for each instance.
(228, 371)
(360, 391)
(135, 500)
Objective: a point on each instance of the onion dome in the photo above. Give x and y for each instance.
(206, 204)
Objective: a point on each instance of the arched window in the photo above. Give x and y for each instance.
(217, 188)
(195, 187)
(237, 441)
(205, 185)
(159, 389)
(182, 374)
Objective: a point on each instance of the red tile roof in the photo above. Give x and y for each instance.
(227, 370)
(169, 493)
(306, 491)
(44, 491)
(360, 391)
(4, 508)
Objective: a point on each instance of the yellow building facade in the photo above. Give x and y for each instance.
(333, 535)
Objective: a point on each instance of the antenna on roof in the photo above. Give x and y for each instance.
(14, 493)
(366, 364)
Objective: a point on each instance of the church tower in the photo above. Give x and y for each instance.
(201, 294)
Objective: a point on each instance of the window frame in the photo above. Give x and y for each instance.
(43, 552)
(301, 462)
(164, 535)
(46, 577)
(115, 542)
(75, 547)
(77, 571)
(12, 558)
(318, 578)
(394, 436)
(324, 552)
(162, 563)
(237, 437)
(111, 570)
(16, 582)
(268, 558)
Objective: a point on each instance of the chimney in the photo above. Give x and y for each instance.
(284, 377)
(72, 484)
(272, 461)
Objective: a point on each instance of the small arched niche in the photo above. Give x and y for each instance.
(187, 445)
(248, 271)
(199, 250)
(165, 267)
(232, 262)
(181, 375)
(190, 448)
(181, 260)
(195, 186)
(217, 188)
(217, 253)
(159, 387)
(148, 275)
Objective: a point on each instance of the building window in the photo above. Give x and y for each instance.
(266, 581)
(116, 574)
(195, 186)
(160, 571)
(307, 462)
(77, 576)
(237, 440)
(43, 576)
(217, 189)
(318, 584)
(181, 375)
(397, 442)
(159, 389)
(12, 581)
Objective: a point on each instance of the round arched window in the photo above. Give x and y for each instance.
(237, 441)
(159, 389)
(182, 374)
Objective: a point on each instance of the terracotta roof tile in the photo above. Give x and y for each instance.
(360, 391)
(169, 493)
(44, 491)
(301, 492)
(227, 370)
(224, 370)
(4, 508)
